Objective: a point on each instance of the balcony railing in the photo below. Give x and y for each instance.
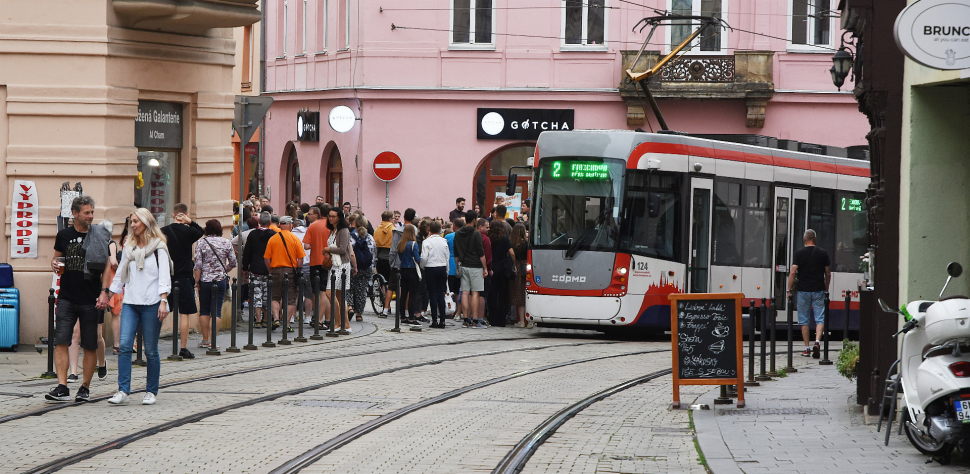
(745, 75)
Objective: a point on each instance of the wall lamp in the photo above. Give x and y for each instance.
(842, 63)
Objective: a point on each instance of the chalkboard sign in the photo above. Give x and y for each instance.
(706, 341)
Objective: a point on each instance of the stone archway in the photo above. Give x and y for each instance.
(492, 173)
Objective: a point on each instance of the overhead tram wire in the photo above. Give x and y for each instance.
(382, 9)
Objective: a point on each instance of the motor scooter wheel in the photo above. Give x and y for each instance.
(931, 448)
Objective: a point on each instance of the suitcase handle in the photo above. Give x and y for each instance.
(7, 306)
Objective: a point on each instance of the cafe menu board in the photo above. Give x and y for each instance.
(706, 341)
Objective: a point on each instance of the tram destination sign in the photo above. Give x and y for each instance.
(706, 341)
(579, 170)
(522, 124)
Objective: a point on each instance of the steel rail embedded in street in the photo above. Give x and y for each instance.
(65, 461)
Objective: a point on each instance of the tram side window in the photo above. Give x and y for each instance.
(727, 223)
(821, 218)
(652, 213)
(851, 228)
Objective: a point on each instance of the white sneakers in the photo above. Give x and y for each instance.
(121, 398)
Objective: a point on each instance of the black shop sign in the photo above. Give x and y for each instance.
(522, 124)
(307, 126)
(158, 125)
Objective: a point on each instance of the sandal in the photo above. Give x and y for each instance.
(115, 349)
(360, 318)
(204, 345)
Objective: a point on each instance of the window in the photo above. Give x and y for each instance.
(322, 19)
(283, 27)
(472, 23)
(712, 39)
(742, 210)
(651, 215)
(821, 217)
(246, 76)
(345, 24)
(157, 185)
(851, 227)
(303, 27)
(584, 23)
(811, 24)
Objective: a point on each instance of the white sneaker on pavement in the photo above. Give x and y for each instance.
(120, 398)
(149, 399)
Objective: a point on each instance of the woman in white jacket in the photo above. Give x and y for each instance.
(145, 275)
(434, 261)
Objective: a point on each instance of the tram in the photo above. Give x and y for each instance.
(622, 219)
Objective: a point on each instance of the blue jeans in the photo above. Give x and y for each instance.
(811, 302)
(134, 316)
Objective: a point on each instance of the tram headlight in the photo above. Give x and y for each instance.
(621, 270)
(528, 267)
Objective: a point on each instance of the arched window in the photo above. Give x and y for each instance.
(293, 192)
(335, 182)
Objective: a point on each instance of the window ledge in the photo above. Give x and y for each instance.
(300, 55)
(584, 48)
(319, 53)
(804, 48)
(471, 47)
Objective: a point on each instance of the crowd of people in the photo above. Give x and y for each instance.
(470, 268)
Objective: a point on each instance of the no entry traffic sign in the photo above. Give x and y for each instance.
(387, 166)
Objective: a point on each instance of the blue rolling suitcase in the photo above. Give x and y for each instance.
(9, 318)
(6, 275)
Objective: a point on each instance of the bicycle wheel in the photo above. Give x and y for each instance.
(376, 293)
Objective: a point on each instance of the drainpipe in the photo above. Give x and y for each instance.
(262, 90)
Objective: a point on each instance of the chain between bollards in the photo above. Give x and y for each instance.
(268, 312)
(825, 334)
(791, 331)
(252, 322)
(763, 317)
(236, 301)
(752, 314)
(50, 336)
(215, 311)
(175, 322)
(285, 310)
(773, 316)
(300, 308)
(316, 308)
(344, 286)
(331, 332)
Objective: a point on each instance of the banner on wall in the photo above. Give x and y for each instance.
(23, 228)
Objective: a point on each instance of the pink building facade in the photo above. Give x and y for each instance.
(419, 75)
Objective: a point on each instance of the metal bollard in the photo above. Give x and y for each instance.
(848, 302)
(345, 286)
(268, 312)
(285, 310)
(791, 332)
(773, 316)
(300, 308)
(316, 308)
(140, 341)
(235, 314)
(175, 322)
(751, 318)
(825, 334)
(252, 323)
(723, 398)
(333, 306)
(397, 309)
(213, 315)
(50, 336)
(763, 315)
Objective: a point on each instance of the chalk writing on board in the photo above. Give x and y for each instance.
(704, 348)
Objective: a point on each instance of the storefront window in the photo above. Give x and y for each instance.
(156, 187)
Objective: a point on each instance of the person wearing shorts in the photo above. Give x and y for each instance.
(811, 268)
(470, 259)
(180, 235)
(254, 264)
(314, 242)
(77, 301)
(284, 256)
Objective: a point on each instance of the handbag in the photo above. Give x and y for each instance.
(228, 296)
(450, 306)
(335, 260)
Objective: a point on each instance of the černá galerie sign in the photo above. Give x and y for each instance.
(158, 125)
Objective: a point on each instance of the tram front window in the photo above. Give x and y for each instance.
(577, 204)
(651, 215)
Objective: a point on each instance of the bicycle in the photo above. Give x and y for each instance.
(376, 292)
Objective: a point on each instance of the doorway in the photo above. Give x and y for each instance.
(702, 191)
(293, 191)
(335, 180)
(791, 220)
(492, 176)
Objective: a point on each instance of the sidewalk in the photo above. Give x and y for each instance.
(807, 422)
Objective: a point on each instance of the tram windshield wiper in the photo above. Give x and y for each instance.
(574, 248)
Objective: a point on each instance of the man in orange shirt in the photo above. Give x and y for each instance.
(284, 256)
(315, 240)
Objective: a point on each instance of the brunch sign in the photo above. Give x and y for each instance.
(935, 33)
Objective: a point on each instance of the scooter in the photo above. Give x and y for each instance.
(934, 372)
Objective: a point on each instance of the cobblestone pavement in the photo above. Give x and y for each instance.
(807, 423)
(469, 433)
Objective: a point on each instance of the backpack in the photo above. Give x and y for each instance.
(365, 258)
(95, 251)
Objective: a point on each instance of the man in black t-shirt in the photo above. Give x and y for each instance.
(180, 237)
(810, 265)
(77, 300)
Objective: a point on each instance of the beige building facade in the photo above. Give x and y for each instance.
(131, 98)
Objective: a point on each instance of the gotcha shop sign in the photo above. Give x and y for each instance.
(935, 33)
(522, 124)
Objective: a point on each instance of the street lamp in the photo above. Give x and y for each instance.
(842, 64)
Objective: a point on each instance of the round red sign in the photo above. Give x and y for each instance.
(387, 166)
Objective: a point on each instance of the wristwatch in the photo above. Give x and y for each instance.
(106, 290)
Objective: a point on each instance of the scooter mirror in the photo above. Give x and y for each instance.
(954, 269)
(885, 307)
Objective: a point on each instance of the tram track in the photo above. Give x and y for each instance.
(120, 442)
(51, 408)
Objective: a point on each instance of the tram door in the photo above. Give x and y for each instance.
(791, 219)
(699, 266)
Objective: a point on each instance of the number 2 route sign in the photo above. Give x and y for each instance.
(387, 166)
